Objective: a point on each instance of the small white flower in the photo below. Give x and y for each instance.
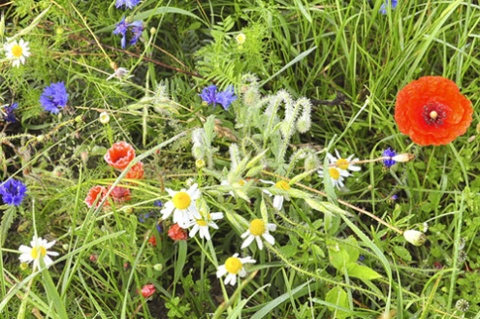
(277, 199)
(119, 73)
(241, 37)
(38, 250)
(258, 229)
(104, 118)
(201, 225)
(234, 266)
(17, 52)
(182, 205)
(336, 176)
(344, 164)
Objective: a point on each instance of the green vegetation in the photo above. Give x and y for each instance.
(310, 78)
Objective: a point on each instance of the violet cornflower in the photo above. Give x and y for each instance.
(9, 116)
(54, 97)
(13, 191)
(211, 96)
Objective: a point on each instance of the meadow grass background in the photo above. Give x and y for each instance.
(346, 52)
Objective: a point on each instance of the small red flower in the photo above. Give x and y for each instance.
(120, 155)
(94, 193)
(432, 111)
(175, 232)
(152, 240)
(120, 194)
(136, 172)
(148, 290)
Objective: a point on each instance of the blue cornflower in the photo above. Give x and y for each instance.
(13, 191)
(127, 3)
(137, 28)
(122, 28)
(383, 8)
(389, 162)
(208, 94)
(158, 203)
(54, 97)
(9, 116)
(226, 97)
(211, 96)
(159, 228)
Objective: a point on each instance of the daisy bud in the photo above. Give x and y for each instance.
(241, 38)
(158, 267)
(462, 305)
(200, 163)
(403, 158)
(104, 118)
(415, 237)
(40, 138)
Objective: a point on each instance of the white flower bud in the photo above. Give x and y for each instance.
(415, 237)
(403, 158)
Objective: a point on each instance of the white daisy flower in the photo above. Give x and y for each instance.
(38, 250)
(182, 205)
(201, 225)
(336, 176)
(17, 52)
(258, 229)
(277, 199)
(234, 266)
(344, 164)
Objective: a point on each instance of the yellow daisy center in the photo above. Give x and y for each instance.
(241, 182)
(233, 265)
(38, 251)
(257, 227)
(202, 222)
(342, 164)
(334, 173)
(181, 200)
(282, 185)
(17, 51)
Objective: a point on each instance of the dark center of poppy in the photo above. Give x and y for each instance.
(434, 113)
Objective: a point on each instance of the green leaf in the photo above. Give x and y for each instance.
(351, 246)
(339, 297)
(362, 272)
(181, 258)
(7, 220)
(338, 256)
(402, 252)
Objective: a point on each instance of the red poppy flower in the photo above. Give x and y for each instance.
(148, 290)
(432, 111)
(120, 194)
(177, 233)
(120, 155)
(136, 172)
(94, 193)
